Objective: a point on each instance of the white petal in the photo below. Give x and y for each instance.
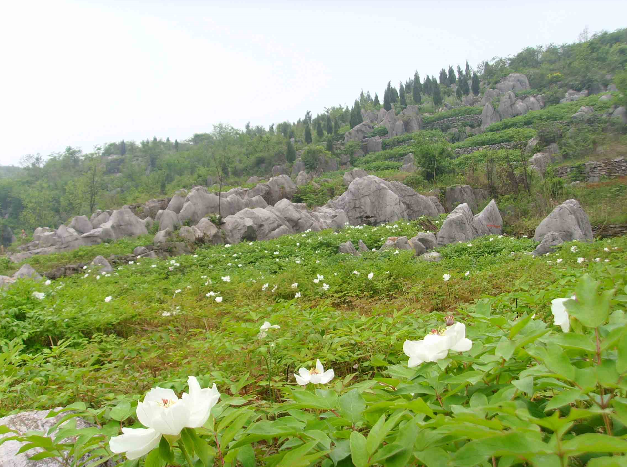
(301, 381)
(319, 367)
(158, 394)
(462, 345)
(145, 413)
(304, 373)
(199, 402)
(327, 376)
(414, 361)
(135, 442)
(172, 420)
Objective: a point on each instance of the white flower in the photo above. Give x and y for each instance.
(226, 278)
(436, 346)
(574, 249)
(48, 282)
(467, 273)
(446, 277)
(560, 315)
(39, 295)
(325, 287)
(468, 244)
(320, 277)
(227, 246)
(295, 285)
(177, 291)
(316, 375)
(274, 288)
(84, 267)
(108, 299)
(356, 273)
(580, 260)
(370, 276)
(316, 281)
(210, 294)
(219, 299)
(559, 260)
(165, 414)
(597, 260)
(131, 262)
(297, 295)
(264, 286)
(263, 329)
(276, 252)
(606, 249)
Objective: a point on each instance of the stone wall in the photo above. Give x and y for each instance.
(593, 171)
(491, 147)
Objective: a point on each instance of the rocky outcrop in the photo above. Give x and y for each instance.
(513, 82)
(347, 248)
(461, 226)
(370, 200)
(303, 178)
(540, 161)
(98, 218)
(620, 113)
(254, 224)
(583, 113)
(568, 220)
(509, 105)
(460, 194)
(123, 223)
(81, 224)
(352, 175)
(176, 203)
(359, 132)
(372, 145)
(428, 240)
(408, 163)
(572, 95)
(153, 206)
(169, 220)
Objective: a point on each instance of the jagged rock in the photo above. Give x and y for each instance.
(347, 248)
(169, 220)
(461, 226)
(39, 232)
(276, 189)
(300, 219)
(370, 200)
(255, 202)
(605, 98)
(572, 96)
(279, 170)
(297, 167)
(408, 163)
(436, 202)
(541, 161)
(148, 222)
(254, 224)
(152, 206)
(140, 251)
(123, 223)
(513, 82)
(459, 194)
(381, 115)
(163, 236)
(352, 175)
(621, 113)
(100, 219)
(432, 257)
(252, 180)
(35, 420)
(569, 220)
(81, 224)
(489, 96)
(396, 243)
(302, 178)
(190, 234)
(418, 246)
(427, 239)
(374, 144)
(548, 244)
(359, 132)
(177, 202)
(370, 116)
(98, 235)
(102, 263)
(198, 203)
(210, 233)
(362, 246)
(489, 116)
(583, 113)
(27, 272)
(532, 144)
(5, 283)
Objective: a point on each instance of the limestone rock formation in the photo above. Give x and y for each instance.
(461, 226)
(81, 224)
(101, 263)
(347, 248)
(352, 175)
(569, 220)
(359, 132)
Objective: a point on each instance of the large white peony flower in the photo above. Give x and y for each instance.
(316, 375)
(165, 414)
(560, 315)
(435, 346)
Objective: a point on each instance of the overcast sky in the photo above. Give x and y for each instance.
(82, 73)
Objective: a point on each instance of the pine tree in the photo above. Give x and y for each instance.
(475, 84)
(416, 93)
(330, 144)
(417, 82)
(329, 125)
(464, 86)
(451, 75)
(386, 100)
(319, 130)
(427, 86)
(467, 70)
(356, 117)
(377, 104)
(443, 76)
(336, 126)
(307, 134)
(393, 95)
(437, 96)
(176, 145)
(458, 93)
(291, 152)
(122, 148)
(401, 93)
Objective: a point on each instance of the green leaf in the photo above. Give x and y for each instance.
(165, 451)
(564, 398)
(153, 459)
(232, 430)
(359, 453)
(520, 324)
(475, 452)
(296, 457)
(614, 461)
(246, 456)
(590, 308)
(187, 440)
(375, 436)
(4, 429)
(570, 340)
(525, 385)
(621, 360)
(558, 362)
(352, 406)
(121, 411)
(203, 450)
(593, 442)
(386, 452)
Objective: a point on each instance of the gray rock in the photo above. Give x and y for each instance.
(362, 246)
(408, 163)
(513, 82)
(102, 263)
(123, 223)
(583, 113)
(436, 202)
(190, 234)
(606, 98)
(459, 194)
(98, 235)
(100, 219)
(532, 144)
(252, 180)
(198, 203)
(148, 222)
(352, 175)
(359, 132)
(548, 244)
(488, 221)
(461, 226)
(177, 202)
(152, 207)
(27, 272)
(432, 257)
(569, 220)
(427, 239)
(418, 246)
(209, 232)
(81, 224)
(169, 220)
(162, 237)
(39, 232)
(297, 167)
(539, 162)
(374, 144)
(254, 224)
(140, 251)
(489, 116)
(396, 243)
(489, 96)
(279, 170)
(572, 96)
(302, 178)
(621, 113)
(5, 283)
(275, 190)
(348, 248)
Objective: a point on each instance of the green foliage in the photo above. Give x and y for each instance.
(290, 154)
(356, 117)
(308, 139)
(456, 112)
(378, 131)
(435, 159)
(475, 84)
(437, 95)
(312, 157)
(620, 80)
(504, 136)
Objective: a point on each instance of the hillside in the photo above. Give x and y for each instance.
(434, 277)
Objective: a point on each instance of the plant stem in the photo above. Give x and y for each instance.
(186, 454)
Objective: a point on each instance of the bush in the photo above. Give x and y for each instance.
(378, 131)
(458, 112)
(435, 160)
(504, 136)
(312, 157)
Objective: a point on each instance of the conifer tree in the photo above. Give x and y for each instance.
(467, 70)
(122, 148)
(417, 82)
(386, 100)
(393, 95)
(291, 152)
(330, 144)
(329, 125)
(437, 96)
(458, 93)
(416, 93)
(307, 134)
(427, 86)
(465, 87)
(319, 130)
(356, 117)
(451, 75)
(336, 126)
(475, 84)
(176, 145)
(443, 76)
(401, 93)
(377, 104)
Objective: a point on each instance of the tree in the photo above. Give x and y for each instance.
(475, 84)
(308, 139)
(122, 148)
(356, 117)
(464, 86)
(377, 104)
(393, 95)
(92, 180)
(176, 145)
(336, 126)
(437, 95)
(417, 82)
(467, 74)
(443, 76)
(427, 86)
(458, 93)
(319, 130)
(329, 125)
(290, 155)
(451, 75)
(387, 105)
(434, 159)
(416, 94)
(312, 157)
(330, 144)
(401, 93)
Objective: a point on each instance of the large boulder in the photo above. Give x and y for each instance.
(98, 235)
(548, 244)
(370, 200)
(427, 239)
(418, 247)
(572, 95)
(374, 144)
(169, 220)
(177, 202)
(620, 113)
(27, 272)
(347, 248)
(461, 226)
(81, 224)
(489, 116)
(396, 243)
(99, 218)
(569, 220)
(276, 189)
(153, 206)
(460, 194)
(408, 163)
(513, 82)
(67, 239)
(297, 167)
(436, 202)
(123, 223)
(352, 175)
(359, 132)
(101, 263)
(210, 233)
(279, 170)
(254, 224)
(198, 203)
(162, 237)
(302, 178)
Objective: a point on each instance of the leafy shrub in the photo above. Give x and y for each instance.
(457, 112)
(312, 157)
(378, 131)
(381, 165)
(504, 136)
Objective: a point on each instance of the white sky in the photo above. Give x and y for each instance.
(81, 73)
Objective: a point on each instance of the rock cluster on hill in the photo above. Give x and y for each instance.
(567, 222)
(509, 105)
